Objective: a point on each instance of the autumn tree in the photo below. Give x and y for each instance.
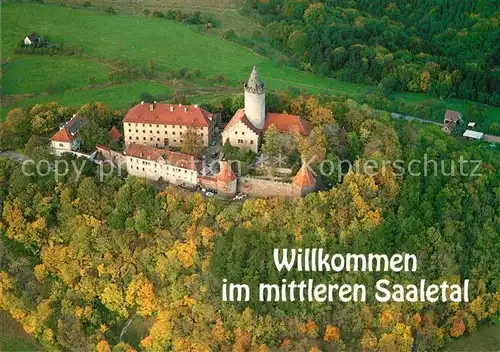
(192, 142)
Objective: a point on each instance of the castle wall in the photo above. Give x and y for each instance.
(207, 182)
(256, 187)
(255, 108)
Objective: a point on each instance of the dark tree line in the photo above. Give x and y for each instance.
(443, 48)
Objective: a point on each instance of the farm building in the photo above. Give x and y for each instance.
(67, 139)
(474, 135)
(31, 39)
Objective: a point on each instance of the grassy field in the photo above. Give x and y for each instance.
(29, 74)
(13, 337)
(134, 40)
(487, 339)
(115, 96)
(225, 12)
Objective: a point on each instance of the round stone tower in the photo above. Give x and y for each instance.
(255, 100)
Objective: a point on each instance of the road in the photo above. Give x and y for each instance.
(413, 118)
(12, 155)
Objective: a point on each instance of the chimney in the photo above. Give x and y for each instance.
(151, 107)
(171, 108)
(142, 102)
(140, 154)
(196, 106)
(180, 105)
(154, 102)
(185, 109)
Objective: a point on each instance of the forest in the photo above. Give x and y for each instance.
(444, 48)
(119, 265)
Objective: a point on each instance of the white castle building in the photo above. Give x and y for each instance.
(248, 125)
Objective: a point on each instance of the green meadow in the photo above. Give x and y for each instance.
(66, 71)
(133, 40)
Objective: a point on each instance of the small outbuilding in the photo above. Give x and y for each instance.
(31, 39)
(473, 135)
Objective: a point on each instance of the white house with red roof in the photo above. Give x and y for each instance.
(248, 126)
(159, 164)
(67, 139)
(163, 125)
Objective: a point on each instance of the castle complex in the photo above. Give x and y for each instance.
(150, 129)
(248, 126)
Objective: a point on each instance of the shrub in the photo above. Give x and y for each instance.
(146, 12)
(87, 4)
(229, 35)
(158, 14)
(110, 10)
(56, 88)
(147, 97)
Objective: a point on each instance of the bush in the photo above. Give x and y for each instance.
(146, 12)
(124, 74)
(56, 88)
(158, 14)
(229, 35)
(87, 4)
(110, 10)
(494, 128)
(91, 80)
(147, 97)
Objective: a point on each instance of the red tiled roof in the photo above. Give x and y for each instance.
(169, 114)
(114, 134)
(286, 122)
(304, 178)
(62, 136)
(181, 160)
(69, 131)
(226, 173)
(240, 116)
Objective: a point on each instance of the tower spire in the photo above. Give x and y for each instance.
(254, 84)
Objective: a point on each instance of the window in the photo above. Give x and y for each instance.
(143, 138)
(202, 134)
(151, 138)
(240, 141)
(173, 133)
(143, 131)
(130, 137)
(157, 131)
(136, 131)
(242, 132)
(137, 138)
(158, 139)
(150, 131)
(130, 130)
(235, 132)
(251, 142)
(61, 145)
(180, 133)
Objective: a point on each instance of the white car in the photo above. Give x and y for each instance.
(209, 194)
